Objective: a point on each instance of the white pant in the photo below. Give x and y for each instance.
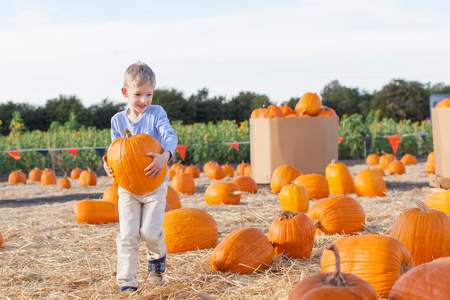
(139, 217)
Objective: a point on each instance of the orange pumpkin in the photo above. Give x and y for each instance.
(379, 170)
(189, 229)
(64, 183)
(111, 194)
(177, 167)
(183, 183)
(207, 165)
(16, 177)
(326, 112)
(427, 281)
(193, 170)
(443, 104)
(375, 258)
(240, 168)
(88, 178)
(340, 180)
(287, 110)
(315, 184)
(128, 158)
(248, 171)
(396, 167)
(272, 111)
(35, 175)
(339, 214)
(229, 171)
(386, 159)
(48, 177)
(294, 198)
(310, 102)
(333, 285)
(292, 233)
(424, 232)
(283, 175)
(172, 198)
(246, 184)
(96, 212)
(171, 173)
(369, 183)
(75, 173)
(215, 172)
(222, 192)
(439, 201)
(245, 251)
(430, 156)
(372, 159)
(429, 167)
(409, 159)
(1, 239)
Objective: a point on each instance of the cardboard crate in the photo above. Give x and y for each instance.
(441, 144)
(308, 144)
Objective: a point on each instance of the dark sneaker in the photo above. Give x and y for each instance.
(156, 268)
(128, 289)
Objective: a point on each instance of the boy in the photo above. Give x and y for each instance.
(142, 216)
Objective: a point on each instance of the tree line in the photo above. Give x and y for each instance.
(399, 99)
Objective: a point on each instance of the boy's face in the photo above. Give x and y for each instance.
(139, 97)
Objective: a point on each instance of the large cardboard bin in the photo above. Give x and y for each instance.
(441, 144)
(308, 144)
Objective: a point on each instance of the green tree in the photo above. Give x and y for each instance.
(173, 102)
(59, 109)
(439, 88)
(342, 99)
(240, 107)
(99, 115)
(401, 100)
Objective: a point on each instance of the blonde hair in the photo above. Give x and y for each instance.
(138, 74)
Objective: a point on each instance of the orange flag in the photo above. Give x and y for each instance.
(72, 151)
(14, 154)
(340, 138)
(182, 151)
(394, 140)
(234, 145)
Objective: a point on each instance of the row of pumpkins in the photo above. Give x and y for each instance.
(48, 177)
(309, 105)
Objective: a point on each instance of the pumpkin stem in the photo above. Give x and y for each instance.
(287, 214)
(235, 193)
(405, 268)
(317, 224)
(336, 279)
(127, 133)
(422, 206)
(333, 162)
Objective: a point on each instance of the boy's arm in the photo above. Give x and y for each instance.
(158, 163)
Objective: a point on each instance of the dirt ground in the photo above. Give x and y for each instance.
(47, 255)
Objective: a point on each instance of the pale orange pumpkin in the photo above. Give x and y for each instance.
(172, 198)
(88, 178)
(96, 212)
(292, 233)
(171, 173)
(64, 183)
(379, 170)
(372, 159)
(35, 175)
(429, 167)
(229, 171)
(207, 165)
(223, 192)
(240, 168)
(48, 177)
(338, 214)
(424, 232)
(396, 167)
(245, 251)
(439, 201)
(248, 171)
(128, 158)
(193, 170)
(370, 183)
(75, 173)
(340, 180)
(294, 198)
(375, 258)
(16, 177)
(183, 183)
(315, 184)
(215, 172)
(386, 159)
(310, 102)
(189, 229)
(111, 194)
(177, 167)
(246, 184)
(409, 159)
(283, 175)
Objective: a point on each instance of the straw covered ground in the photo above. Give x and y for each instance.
(47, 255)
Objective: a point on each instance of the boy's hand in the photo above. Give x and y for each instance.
(158, 163)
(108, 169)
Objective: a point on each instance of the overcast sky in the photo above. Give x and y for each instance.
(282, 49)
